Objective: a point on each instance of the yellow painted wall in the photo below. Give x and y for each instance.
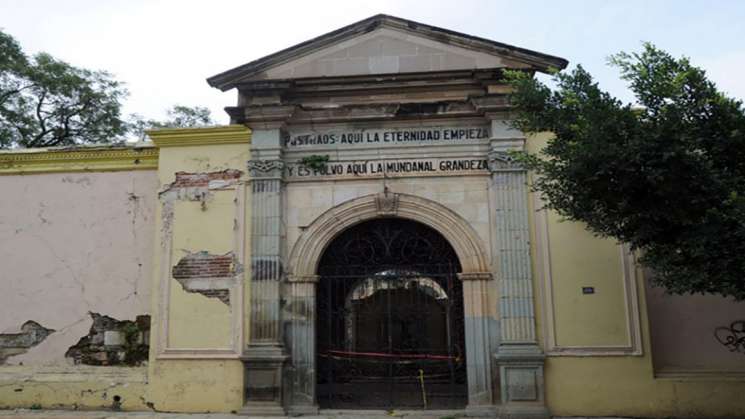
(194, 320)
(578, 259)
(197, 382)
(79, 387)
(620, 385)
(196, 385)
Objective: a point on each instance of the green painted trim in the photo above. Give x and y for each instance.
(78, 159)
(182, 137)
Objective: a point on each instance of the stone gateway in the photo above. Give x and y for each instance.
(359, 237)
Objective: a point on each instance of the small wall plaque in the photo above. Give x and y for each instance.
(588, 290)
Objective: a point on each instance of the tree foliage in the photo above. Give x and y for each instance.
(179, 116)
(667, 177)
(47, 102)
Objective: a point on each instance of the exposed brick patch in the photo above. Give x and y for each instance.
(31, 334)
(203, 180)
(207, 274)
(204, 265)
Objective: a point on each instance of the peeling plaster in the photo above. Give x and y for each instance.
(30, 335)
(85, 245)
(193, 187)
(198, 186)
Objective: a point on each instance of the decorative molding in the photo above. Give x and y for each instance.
(681, 374)
(267, 116)
(465, 241)
(78, 159)
(183, 137)
(259, 169)
(299, 279)
(386, 203)
(500, 161)
(72, 374)
(630, 277)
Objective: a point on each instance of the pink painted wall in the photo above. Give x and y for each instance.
(682, 331)
(74, 243)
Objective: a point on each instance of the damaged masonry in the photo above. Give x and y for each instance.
(209, 275)
(197, 186)
(113, 342)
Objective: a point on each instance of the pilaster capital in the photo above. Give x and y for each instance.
(475, 276)
(502, 160)
(265, 169)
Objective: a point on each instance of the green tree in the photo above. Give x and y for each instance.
(667, 177)
(46, 102)
(179, 116)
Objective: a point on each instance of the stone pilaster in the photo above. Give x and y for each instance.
(478, 358)
(299, 316)
(264, 357)
(519, 358)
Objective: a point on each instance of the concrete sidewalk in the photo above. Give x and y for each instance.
(347, 414)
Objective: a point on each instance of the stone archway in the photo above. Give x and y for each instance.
(299, 314)
(307, 251)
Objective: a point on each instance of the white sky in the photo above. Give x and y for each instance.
(165, 49)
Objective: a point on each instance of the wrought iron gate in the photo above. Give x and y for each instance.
(390, 319)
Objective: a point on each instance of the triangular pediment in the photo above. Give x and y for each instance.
(385, 45)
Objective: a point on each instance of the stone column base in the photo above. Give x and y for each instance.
(263, 380)
(521, 378)
(303, 410)
(523, 412)
(481, 411)
(256, 408)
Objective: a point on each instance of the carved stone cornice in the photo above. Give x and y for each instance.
(267, 116)
(491, 103)
(345, 113)
(261, 169)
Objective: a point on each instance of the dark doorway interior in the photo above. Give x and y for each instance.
(390, 319)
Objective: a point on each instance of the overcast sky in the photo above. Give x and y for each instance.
(165, 49)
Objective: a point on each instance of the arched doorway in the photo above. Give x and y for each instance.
(390, 319)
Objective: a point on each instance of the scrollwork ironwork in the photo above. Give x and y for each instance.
(390, 319)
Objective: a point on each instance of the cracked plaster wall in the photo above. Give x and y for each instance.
(70, 244)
